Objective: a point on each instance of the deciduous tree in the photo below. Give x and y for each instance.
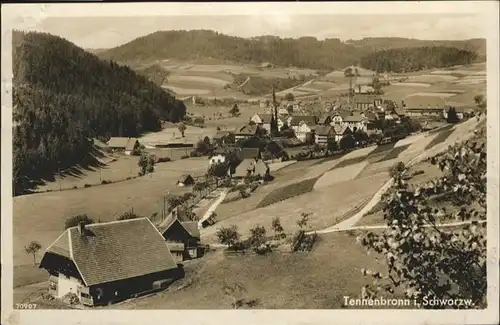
(32, 249)
(423, 259)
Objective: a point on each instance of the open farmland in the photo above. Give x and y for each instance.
(202, 287)
(41, 216)
(327, 207)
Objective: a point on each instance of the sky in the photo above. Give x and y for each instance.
(107, 32)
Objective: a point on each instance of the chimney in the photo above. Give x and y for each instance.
(81, 229)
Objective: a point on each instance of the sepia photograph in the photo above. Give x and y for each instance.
(250, 157)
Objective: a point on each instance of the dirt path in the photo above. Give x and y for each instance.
(213, 207)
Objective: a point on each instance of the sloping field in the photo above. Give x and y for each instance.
(194, 80)
(184, 91)
(440, 137)
(432, 78)
(339, 175)
(287, 192)
(277, 280)
(41, 216)
(394, 153)
(411, 84)
(326, 206)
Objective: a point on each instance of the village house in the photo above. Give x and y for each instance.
(263, 120)
(323, 134)
(246, 131)
(121, 144)
(325, 120)
(182, 237)
(364, 102)
(371, 120)
(251, 167)
(293, 105)
(283, 112)
(424, 105)
(339, 116)
(223, 138)
(282, 121)
(425, 111)
(364, 90)
(355, 122)
(108, 262)
(185, 180)
(249, 153)
(302, 125)
(340, 130)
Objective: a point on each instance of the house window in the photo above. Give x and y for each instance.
(85, 295)
(52, 285)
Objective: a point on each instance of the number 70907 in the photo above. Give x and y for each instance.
(26, 306)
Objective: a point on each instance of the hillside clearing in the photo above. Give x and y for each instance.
(318, 276)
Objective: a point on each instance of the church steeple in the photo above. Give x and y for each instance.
(274, 117)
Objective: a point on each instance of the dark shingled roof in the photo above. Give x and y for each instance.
(265, 118)
(115, 250)
(246, 129)
(309, 119)
(122, 143)
(192, 228)
(249, 153)
(353, 118)
(323, 130)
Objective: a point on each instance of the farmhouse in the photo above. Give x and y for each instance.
(367, 101)
(223, 138)
(251, 167)
(249, 153)
(185, 180)
(107, 262)
(183, 238)
(355, 122)
(424, 105)
(263, 120)
(323, 133)
(364, 90)
(338, 116)
(341, 130)
(302, 125)
(425, 111)
(246, 131)
(127, 145)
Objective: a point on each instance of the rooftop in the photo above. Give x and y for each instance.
(114, 251)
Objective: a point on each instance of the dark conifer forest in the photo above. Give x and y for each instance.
(64, 96)
(416, 58)
(304, 52)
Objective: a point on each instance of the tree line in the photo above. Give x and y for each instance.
(330, 53)
(64, 96)
(416, 58)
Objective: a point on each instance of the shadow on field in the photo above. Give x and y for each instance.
(89, 163)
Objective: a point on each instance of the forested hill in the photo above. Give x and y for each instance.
(63, 96)
(416, 58)
(301, 52)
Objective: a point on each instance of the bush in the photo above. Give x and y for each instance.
(76, 220)
(163, 159)
(75, 187)
(105, 182)
(87, 185)
(185, 157)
